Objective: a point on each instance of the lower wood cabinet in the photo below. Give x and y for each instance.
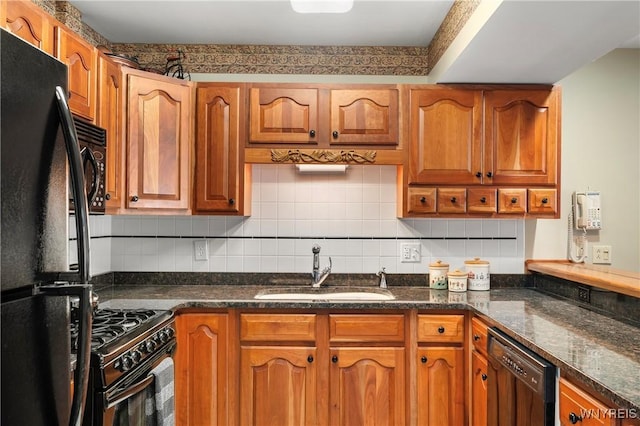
(479, 376)
(202, 370)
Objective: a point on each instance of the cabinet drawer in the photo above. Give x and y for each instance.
(421, 200)
(481, 200)
(512, 201)
(366, 328)
(574, 402)
(542, 201)
(479, 335)
(278, 328)
(452, 200)
(441, 328)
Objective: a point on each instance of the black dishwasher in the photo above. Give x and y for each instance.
(521, 385)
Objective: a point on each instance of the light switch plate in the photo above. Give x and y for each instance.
(601, 254)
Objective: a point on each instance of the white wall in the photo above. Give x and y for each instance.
(600, 151)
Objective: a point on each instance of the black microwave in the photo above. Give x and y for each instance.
(93, 149)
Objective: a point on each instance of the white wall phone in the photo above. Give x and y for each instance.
(585, 216)
(586, 210)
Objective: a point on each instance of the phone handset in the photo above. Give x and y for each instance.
(580, 213)
(586, 210)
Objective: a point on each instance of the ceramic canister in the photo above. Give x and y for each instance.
(478, 274)
(438, 274)
(457, 280)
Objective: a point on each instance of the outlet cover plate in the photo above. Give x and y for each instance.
(601, 254)
(201, 250)
(410, 253)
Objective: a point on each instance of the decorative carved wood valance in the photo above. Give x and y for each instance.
(322, 156)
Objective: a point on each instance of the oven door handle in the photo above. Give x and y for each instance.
(129, 391)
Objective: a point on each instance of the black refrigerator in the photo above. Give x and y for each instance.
(40, 165)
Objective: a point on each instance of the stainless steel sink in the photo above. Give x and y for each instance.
(325, 293)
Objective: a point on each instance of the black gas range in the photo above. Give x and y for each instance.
(126, 345)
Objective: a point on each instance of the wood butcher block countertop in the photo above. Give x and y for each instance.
(606, 278)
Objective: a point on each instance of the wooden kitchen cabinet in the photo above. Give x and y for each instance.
(109, 117)
(202, 369)
(479, 372)
(29, 22)
(279, 369)
(440, 369)
(82, 61)
(322, 116)
(158, 147)
(574, 403)
(219, 171)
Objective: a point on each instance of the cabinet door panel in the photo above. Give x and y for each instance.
(109, 114)
(521, 136)
(217, 183)
(364, 117)
(367, 386)
(201, 369)
(27, 21)
(81, 58)
(446, 136)
(440, 386)
(158, 144)
(283, 115)
(479, 379)
(278, 385)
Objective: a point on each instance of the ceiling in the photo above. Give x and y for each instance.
(516, 41)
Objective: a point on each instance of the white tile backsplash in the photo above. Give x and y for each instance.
(352, 216)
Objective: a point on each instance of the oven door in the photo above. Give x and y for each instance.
(133, 400)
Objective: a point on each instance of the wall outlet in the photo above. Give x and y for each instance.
(602, 254)
(584, 294)
(410, 253)
(201, 250)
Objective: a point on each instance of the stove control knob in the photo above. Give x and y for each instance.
(126, 364)
(170, 331)
(164, 336)
(136, 356)
(150, 346)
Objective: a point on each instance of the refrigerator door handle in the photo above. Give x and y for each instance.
(76, 172)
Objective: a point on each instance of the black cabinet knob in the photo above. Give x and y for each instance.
(310, 358)
(514, 200)
(423, 359)
(453, 199)
(441, 329)
(312, 133)
(334, 358)
(476, 337)
(335, 134)
(483, 200)
(478, 174)
(489, 174)
(134, 198)
(545, 200)
(423, 199)
(483, 377)
(107, 196)
(574, 418)
(232, 201)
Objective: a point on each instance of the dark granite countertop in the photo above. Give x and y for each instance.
(601, 353)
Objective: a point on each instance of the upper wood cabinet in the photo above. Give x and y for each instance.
(158, 148)
(446, 135)
(219, 178)
(490, 137)
(82, 61)
(322, 116)
(109, 117)
(521, 137)
(29, 22)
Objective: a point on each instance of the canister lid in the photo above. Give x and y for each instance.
(439, 264)
(476, 261)
(457, 273)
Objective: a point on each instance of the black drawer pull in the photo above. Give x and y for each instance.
(514, 200)
(574, 418)
(441, 329)
(335, 134)
(483, 377)
(453, 199)
(134, 198)
(476, 337)
(483, 200)
(312, 133)
(310, 358)
(489, 174)
(334, 358)
(423, 199)
(423, 359)
(478, 174)
(232, 201)
(107, 196)
(545, 200)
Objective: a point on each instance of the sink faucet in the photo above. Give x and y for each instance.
(382, 274)
(318, 276)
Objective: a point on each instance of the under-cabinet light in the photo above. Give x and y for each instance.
(322, 168)
(321, 6)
